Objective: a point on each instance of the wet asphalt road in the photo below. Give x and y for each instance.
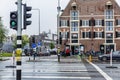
(47, 68)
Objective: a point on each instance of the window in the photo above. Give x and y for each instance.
(74, 15)
(109, 14)
(74, 41)
(74, 36)
(98, 22)
(63, 22)
(74, 26)
(85, 23)
(109, 41)
(109, 35)
(109, 25)
(98, 34)
(117, 34)
(66, 34)
(86, 34)
(118, 22)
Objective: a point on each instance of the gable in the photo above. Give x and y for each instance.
(86, 7)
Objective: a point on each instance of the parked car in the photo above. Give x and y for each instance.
(28, 52)
(53, 51)
(97, 53)
(115, 56)
(44, 53)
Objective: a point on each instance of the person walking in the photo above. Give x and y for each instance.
(67, 52)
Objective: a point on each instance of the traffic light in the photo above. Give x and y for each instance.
(33, 39)
(13, 20)
(60, 40)
(26, 16)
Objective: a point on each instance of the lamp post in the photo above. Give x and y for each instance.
(58, 20)
(38, 18)
(37, 50)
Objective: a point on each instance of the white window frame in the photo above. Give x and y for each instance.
(85, 23)
(118, 22)
(63, 23)
(109, 27)
(98, 23)
(98, 35)
(74, 28)
(109, 15)
(75, 16)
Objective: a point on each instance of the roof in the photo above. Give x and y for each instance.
(86, 7)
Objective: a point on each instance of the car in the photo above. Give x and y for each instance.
(105, 57)
(44, 53)
(97, 53)
(53, 51)
(28, 51)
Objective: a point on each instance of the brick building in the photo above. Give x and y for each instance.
(90, 24)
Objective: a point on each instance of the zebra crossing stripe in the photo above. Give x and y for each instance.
(48, 77)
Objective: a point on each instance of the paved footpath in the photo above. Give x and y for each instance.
(48, 68)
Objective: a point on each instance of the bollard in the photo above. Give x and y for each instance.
(90, 58)
(1, 54)
(58, 57)
(29, 56)
(34, 56)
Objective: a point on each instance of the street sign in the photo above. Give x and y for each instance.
(39, 43)
(34, 45)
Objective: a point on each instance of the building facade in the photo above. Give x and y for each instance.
(90, 25)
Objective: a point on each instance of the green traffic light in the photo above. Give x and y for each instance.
(13, 23)
(13, 20)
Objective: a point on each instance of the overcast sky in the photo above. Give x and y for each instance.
(48, 13)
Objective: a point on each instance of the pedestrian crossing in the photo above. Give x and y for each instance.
(46, 69)
(46, 77)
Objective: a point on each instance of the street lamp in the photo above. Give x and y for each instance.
(58, 20)
(38, 18)
(37, 9)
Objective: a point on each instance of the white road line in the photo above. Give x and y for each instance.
(49, 77)
(48, 71)
(101, 71)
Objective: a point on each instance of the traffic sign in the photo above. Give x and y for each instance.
(39, 43)
(34, 45)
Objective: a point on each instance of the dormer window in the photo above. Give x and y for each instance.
(74, 6)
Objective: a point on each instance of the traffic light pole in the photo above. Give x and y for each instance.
(58, 36)
(19, 40)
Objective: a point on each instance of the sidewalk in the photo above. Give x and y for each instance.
(54, 58)
(4, 58)
(71, 59)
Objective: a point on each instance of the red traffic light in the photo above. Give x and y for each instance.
(13, 15)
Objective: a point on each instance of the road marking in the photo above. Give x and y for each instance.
(101, 71)
(48, 71)
(48, 77)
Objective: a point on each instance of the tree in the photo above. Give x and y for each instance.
(25, 40)
(52, 46)
(3, 32)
